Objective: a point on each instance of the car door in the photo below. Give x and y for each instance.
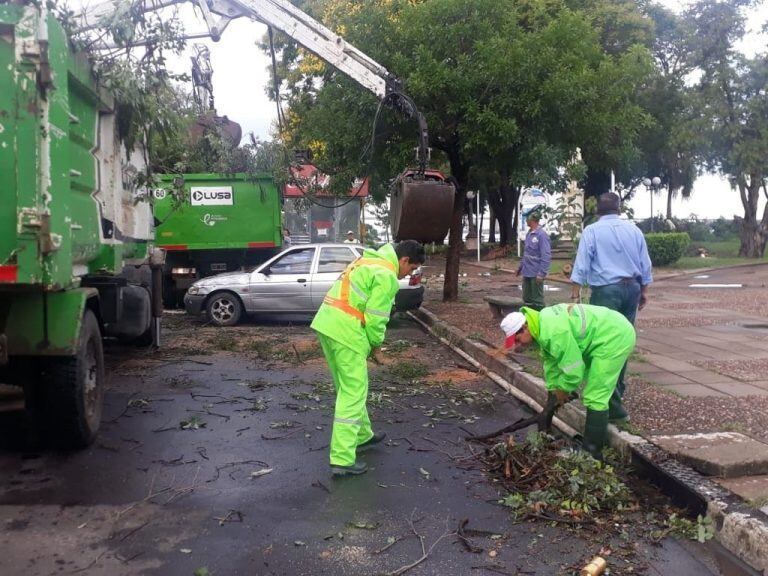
(330, 264)
(284, 284)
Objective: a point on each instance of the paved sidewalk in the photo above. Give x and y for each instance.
(695, 341)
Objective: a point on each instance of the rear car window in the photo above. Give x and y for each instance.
(335, 259)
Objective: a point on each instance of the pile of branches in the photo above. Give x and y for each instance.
(544, 478)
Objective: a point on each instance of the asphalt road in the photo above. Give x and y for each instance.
(246, 488)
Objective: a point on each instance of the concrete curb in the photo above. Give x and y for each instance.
(741, 528)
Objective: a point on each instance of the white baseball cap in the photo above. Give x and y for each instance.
(511, 325)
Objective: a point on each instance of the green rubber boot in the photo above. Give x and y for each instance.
(595, 433)
(616, 410)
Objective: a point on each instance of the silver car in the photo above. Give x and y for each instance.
(293, 282)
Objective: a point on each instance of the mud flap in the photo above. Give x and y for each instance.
(44, 324)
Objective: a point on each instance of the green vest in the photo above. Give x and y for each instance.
(372, 290)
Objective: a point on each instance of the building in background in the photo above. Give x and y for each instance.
(313, 214)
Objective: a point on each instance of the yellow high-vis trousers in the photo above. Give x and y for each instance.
(351, 425)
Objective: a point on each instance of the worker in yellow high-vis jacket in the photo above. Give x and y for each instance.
(577, 342)
(350, 325)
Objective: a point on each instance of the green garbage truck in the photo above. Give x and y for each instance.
(213, 223)
(76, 232)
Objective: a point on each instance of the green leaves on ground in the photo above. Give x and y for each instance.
(542, 478)
(701, 530)
(407, 370)
(192, 423)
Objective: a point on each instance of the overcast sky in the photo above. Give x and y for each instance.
(241, 74)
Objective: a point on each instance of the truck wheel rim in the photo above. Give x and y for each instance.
(91, 381)
(223, 309)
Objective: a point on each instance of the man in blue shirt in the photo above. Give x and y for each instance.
(535, 263)
(613, 260)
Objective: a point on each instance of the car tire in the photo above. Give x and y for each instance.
(224, 309)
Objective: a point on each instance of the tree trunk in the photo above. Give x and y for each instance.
(754, 232)
(496, 204)
(480, 222)
(491, 223)
(669, 203)
(460, 173)
(452, 261)
(515, 216)
(752, 244)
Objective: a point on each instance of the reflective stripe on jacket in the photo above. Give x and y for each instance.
(372, 288)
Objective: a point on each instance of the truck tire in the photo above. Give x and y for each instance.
(224, 309)
(74, 388)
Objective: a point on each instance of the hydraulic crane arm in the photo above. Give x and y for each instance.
(299, 26)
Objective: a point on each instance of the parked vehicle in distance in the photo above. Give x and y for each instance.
(293, 282)
(224, 222)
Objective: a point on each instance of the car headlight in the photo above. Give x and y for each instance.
(193, 290)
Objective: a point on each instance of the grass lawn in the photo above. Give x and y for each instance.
(722, 253)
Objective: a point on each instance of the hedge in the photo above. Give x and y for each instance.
(666, 248)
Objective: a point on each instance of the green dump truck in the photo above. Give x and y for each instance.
(75, 231)
(213, 223)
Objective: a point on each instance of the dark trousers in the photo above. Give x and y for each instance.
(533, 293)
(623, 297)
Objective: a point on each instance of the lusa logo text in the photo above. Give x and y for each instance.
(211, 196)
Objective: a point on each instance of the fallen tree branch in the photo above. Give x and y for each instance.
(230, 516)
(465, 541)
(519, 425)
(298, 356)
(209, 413)
(425, 552)
(288, 435)
(237, 463)
(388, 546)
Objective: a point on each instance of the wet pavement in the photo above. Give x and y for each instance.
(213, 453)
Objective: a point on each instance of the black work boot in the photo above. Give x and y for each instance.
(354, 470)
(545, 419)
(616, 410)
(375, 439)
(595, 432)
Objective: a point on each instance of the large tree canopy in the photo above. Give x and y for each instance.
(732, 104)
(510, 87)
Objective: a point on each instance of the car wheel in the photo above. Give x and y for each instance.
(224, 309)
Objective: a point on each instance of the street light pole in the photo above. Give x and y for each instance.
(652, 184)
